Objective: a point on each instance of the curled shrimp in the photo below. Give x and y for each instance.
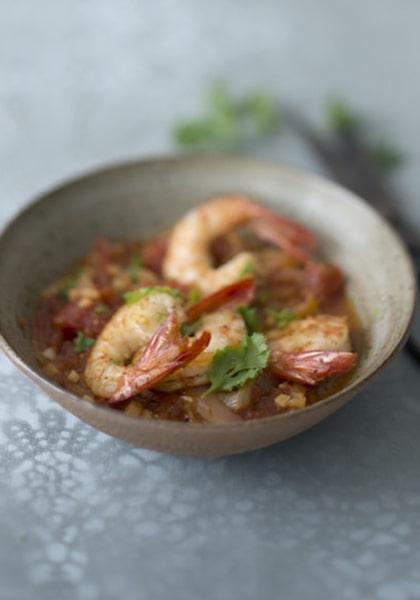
(135, 349)
(166, 352)
(188, 259)
(310, 350)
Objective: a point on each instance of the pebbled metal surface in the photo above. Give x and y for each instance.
(331, 514)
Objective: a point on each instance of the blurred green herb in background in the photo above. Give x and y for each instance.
(229, 122)
(232, 123)
(344, 120)
(386, 156)
(340, 117)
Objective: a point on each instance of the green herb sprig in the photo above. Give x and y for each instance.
(82, 342)
(282, 317)
(249, 315)
(69, 283)
(190, 328)
(229, 123)
(344, 119)
(134, 267)
(233, 366)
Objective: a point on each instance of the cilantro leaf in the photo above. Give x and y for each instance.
(250, 318)
(233, 366)
(82, 342)
(134, 267)
(283, 317)
(135, 295)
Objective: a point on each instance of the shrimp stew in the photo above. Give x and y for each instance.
(230, 315)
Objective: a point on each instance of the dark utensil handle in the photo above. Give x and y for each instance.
(413, 343)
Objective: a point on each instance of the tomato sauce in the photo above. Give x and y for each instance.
(73, 311)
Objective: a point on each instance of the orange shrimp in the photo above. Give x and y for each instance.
(311, 367)
(188, 259)
(234, 295)
(166, 352)
(310, 350)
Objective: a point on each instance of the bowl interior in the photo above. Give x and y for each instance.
(137, 200)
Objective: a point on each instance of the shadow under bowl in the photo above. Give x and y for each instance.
(135, 200)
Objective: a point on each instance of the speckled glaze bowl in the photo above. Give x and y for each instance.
(139, 199)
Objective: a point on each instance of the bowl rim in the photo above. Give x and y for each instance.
(53, 389)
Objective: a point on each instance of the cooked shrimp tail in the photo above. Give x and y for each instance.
(166, 352)
(312, 366)
(291, 237)
(231, 296)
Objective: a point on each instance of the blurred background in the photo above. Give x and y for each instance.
(88, 82)
(85, 83)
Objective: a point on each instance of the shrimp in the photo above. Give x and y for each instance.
(136, 333)
(309, 350)
(158, 354)
(227, 328)
(319, 332)
(234, 295)
(188, 259)
(166, 352)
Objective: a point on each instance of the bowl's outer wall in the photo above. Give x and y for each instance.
(137, 200)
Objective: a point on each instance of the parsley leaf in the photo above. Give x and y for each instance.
(250, 318)
(82, 342)
(134, 267)
(233, 366)
(283, 317)
(135, 295)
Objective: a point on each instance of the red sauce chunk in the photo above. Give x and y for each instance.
(278, 304)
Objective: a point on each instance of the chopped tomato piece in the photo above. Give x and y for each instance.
(324, 279)
(72, 318)
(153, 253)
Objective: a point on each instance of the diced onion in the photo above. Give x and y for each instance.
(73, 376)
(238, 399)
(49, 353)
(213, 410)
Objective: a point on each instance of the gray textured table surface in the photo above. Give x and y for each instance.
(331, 514)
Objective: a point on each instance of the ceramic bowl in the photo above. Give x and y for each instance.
(138, 199)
